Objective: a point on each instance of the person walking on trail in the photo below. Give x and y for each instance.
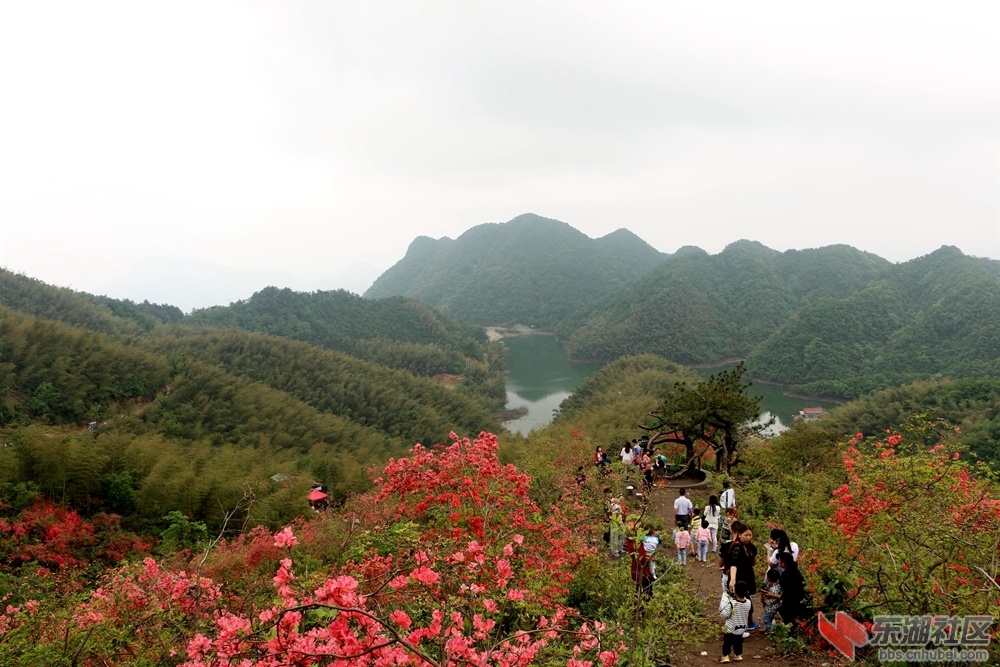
(682, 509)
(728, 497)
(732, 527)
(626, 455)
(793, 589)
(739, 561)
(682, 540)
(713, 514)
(735, 611)
(702, 538)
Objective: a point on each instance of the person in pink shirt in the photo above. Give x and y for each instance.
(682, 540)
(703, 537)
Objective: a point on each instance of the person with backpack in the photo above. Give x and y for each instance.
(735, 611)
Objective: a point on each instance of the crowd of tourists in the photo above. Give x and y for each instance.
(640, 461)
(715, 529)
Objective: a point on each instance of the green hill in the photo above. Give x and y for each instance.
(394, 402)
(934, 315)
(96, 313)
(530, 270)
(397, 332)
(701, 308)
(107, 405)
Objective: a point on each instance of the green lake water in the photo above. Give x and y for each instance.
(540, 377)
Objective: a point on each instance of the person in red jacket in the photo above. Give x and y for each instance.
(642, 575)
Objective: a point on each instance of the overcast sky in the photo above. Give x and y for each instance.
(194, 152)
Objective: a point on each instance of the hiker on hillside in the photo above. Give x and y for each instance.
(641, 563)
(651, 543)
(793, 589)
(735, 610)
(682, 540)
(702, 539)
(770, 597)
(731, 528)
(728, 498)
(626, 456)
(659, 467)
(777, 543)
(713, 514)
(646, 467)
(739, 561)
(682, 509)
(617, 526)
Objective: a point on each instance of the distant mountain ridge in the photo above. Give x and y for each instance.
(530, 270)
(835, 320)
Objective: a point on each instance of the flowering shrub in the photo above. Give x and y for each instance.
(140, 613)
(914, 529)
(447, 562)
(58, 538)
(477, 575)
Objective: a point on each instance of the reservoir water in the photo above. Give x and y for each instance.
(540, 377)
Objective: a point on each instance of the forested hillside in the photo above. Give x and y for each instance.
(972, 405)
(700, 308)
(174, 529)
(395, 402)
(107, 405)
(832, 321)
(397, 332)
(97, 313)
(530, 270)
(934, 315)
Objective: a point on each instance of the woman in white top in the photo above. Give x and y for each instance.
(626, 455)
(713, 514)
(778, 542)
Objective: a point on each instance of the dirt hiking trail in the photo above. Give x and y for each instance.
(704, 582)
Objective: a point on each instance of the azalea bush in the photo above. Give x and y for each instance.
(451, 562)
(447, 561)
(454, 558)
(915, 529)
(139, 614)
(58, 538)
(900, 522)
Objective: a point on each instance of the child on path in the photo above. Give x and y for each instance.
(682, 540)
(702, 537)
(735, 613)
(770, 596)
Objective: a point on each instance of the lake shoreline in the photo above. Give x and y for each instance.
(534, 384)
(497, 333)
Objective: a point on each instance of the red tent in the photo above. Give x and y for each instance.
(316, 495)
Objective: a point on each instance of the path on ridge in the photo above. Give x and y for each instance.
(704, 581)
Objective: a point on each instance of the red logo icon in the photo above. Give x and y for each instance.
(844, 634)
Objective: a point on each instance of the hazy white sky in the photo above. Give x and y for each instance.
(194, 152)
